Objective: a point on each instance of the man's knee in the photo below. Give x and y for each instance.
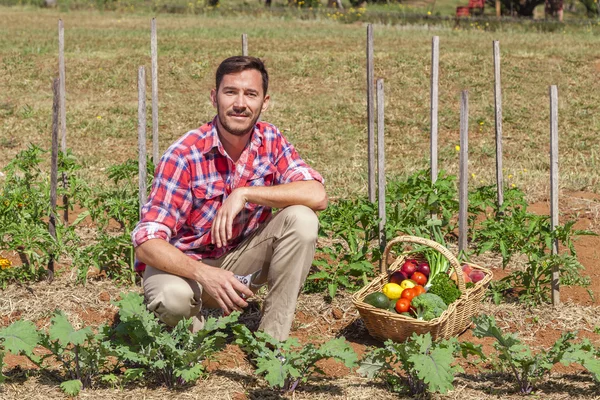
(303, 222)
(173, 302)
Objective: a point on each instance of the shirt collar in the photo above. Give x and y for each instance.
(211, 138)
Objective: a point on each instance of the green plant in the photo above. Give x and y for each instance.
(285, 364)
(170, 356)
(412, 202)
(517, 358)
(346, 262)
(82, 354)
(428, 365)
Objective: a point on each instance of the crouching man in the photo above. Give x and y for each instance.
(207, 235)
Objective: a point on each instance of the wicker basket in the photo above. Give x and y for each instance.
(383, 324)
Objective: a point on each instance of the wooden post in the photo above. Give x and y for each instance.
(498, 12)
(554, 187)
(435, 60)
(63, 110)
(381, 166)
(53, 169)
(244, 44)
(464, 172)
(370, 115)
(154, 51)
(498, 116)
(142, 135)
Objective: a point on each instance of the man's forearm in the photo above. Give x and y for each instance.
(307, 193)
(166, 257)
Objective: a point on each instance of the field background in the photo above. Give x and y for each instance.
(317, 87)
(317, 70)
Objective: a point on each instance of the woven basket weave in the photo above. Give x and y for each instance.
(383, 324)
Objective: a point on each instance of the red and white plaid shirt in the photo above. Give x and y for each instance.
(195, 176)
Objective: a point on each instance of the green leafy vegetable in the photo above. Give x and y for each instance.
(428, 366)
(444, 287)
(428, 306)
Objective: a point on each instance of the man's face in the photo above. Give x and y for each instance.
(239, 101)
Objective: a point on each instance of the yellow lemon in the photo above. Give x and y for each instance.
(392, 291)
(408, 284)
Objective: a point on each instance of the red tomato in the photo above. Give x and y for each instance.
(408, 294)
(402, 305)
(419, 290)
(419, 278)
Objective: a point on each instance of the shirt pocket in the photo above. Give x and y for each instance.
(208, 197)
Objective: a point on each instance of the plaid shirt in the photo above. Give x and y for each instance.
(195, 176)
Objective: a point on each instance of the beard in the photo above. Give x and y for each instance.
(234, 127)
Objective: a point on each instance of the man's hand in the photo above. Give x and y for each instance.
(224, 287)
(221, 229)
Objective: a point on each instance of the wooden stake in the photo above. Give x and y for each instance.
(244, 44)
(54, 169)
(142, 136)
(381, 165)
(63, 111)
(370, 115)
(464, 172)
(435, 60)
(498, 117)
(61, 75)
(154, 51)
(554, 187)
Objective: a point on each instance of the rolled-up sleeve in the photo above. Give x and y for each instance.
(169, 203)
(291, 167)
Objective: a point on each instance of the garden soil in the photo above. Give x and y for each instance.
(231, 376)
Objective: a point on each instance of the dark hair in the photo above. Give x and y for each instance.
(237, 64)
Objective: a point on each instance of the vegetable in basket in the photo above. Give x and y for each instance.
(428, 306)
(444, 287)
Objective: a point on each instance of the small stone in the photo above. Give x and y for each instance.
(337, 313)
(104, 296)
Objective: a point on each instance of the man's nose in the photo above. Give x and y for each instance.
(240, 101)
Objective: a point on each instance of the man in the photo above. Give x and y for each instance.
(208, 220)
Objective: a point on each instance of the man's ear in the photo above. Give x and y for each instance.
(265, 104)
(213, 97)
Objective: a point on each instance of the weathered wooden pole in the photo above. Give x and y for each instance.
(554, 187)
(435, 61)
(142, 135)
(370, 115)
(381, 164)
(244, 44)
(498, 118)
(463, 199)
(53, 169)
(63, 111)
(154, 51)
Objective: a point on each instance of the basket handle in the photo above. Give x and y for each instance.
(430, 243)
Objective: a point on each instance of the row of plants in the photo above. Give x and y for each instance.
(351, 229)
(25, 200)
(138, 348)
(351, 225)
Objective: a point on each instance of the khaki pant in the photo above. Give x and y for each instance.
(282, 249)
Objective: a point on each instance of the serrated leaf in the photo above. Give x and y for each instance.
(370, 366)
(435, 369)
(319, 275)
(20, 337)
(133, 374)
(332, 289)
(339, 348)
(191, 374)
(62, 331)
(71, 388)
(273, 371)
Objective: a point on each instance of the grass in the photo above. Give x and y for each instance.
(317, 86)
